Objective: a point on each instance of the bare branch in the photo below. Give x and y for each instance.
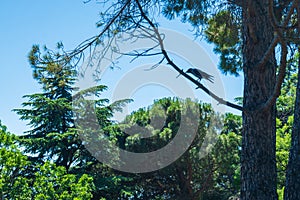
(144, 53)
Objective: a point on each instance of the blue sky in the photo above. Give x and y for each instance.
(24, 23)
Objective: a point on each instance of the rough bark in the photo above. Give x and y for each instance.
(258, 171)
(292, 186)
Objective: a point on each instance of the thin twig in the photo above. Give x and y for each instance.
(89, 42)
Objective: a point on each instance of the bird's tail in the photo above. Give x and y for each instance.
(208, 77)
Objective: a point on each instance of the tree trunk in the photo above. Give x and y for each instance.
(258, 171)
(292, 185)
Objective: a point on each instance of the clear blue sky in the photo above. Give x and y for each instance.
(24, 23)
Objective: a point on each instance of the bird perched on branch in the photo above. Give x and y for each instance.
(200, 74)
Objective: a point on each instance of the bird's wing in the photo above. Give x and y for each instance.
(196, 73)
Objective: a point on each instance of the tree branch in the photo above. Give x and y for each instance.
(89, 42)
(277, 35)
(180, 71)
(279, 81)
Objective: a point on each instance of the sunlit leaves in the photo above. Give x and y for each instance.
(12, 165)
(52, 182)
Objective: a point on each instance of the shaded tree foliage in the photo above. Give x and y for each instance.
(193, 175)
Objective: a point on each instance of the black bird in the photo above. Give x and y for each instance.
(200, 74)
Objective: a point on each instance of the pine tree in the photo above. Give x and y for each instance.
(53, 135)
(54, 113)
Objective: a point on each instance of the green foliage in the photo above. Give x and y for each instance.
(54, 137)
(280, 193)
(227, 155)
(232, 123)
(194, 12)
(223, 31)
(50, 113)
(283, 142)
(216, 174)
(48, 182)
(284, 122)
(53, 182)
(12, 164)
